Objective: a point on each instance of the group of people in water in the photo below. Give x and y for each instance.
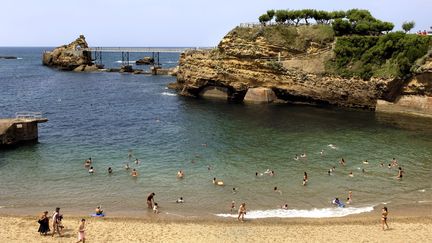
(242, 208)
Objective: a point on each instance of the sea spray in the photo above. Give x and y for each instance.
(302, 213)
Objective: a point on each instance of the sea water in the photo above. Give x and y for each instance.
(106, 115)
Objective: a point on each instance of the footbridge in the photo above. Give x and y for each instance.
(97, 52)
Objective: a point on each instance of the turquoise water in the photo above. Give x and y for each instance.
(104, 115)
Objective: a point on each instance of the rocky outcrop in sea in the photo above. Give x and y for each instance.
(70, 57)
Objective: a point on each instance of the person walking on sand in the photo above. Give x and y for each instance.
(241, 212)
(150, 200)
(44, 224)
(56, 222)
(384, 214)
(81, 231)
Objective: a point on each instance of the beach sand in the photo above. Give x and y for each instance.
(355, 229)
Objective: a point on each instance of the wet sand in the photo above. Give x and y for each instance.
(165, 229)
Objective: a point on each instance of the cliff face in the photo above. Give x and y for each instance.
(295, 72)
(70, 57)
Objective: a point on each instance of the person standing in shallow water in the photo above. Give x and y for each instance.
(150, 200)
(384, 214)
(242, 212)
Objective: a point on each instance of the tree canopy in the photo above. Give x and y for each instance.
(407, 26)
(353, 21)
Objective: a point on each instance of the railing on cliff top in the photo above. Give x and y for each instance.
(28, 115)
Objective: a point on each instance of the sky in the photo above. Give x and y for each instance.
(167, 23)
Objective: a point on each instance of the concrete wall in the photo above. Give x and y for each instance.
(20, 132)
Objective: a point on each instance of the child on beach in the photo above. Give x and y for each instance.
(81, 231)
(155, 208)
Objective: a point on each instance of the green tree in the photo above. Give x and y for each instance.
(408, 26)
(271, 13)
(281, 16)
(263, 19)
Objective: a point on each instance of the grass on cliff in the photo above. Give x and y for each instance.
(388, 56)
(287, 36)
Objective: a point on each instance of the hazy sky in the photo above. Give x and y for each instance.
(167, 22)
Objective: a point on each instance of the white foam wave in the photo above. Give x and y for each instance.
(168, 94)
(130, 62)
(422, 190)
(425, 201)
(300, 213)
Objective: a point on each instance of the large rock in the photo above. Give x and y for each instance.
(260, 95)
(70, 57)
(242, 62)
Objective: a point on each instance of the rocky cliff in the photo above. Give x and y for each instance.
(70, 57)
(291, 62)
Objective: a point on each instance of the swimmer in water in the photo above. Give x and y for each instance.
(88, 162)
(285, 206)
(382, 164)
(394, 162)
(234, 190)
(272, 173)
(110, 171)
(305, 178)
(127, 166)
(365, 162)
(342, 161)
(389, 166)
(180, 174)
(329, 172)
(91, 170)
(349, 200)
(400, 173)
(296, 157)
(351, 174)
(303, 155)
(134, 173)
(275, 189)
(180, 200)
(218, 182)
(232, 206)
(137, 161)
(322, 152)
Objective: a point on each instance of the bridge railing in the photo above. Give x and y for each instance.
(142, 49)
(28, 115)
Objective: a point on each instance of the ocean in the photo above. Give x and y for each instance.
(106, 115)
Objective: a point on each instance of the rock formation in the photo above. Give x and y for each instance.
(297, 74)
(70, 57)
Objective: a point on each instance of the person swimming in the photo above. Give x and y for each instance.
(285, 206)
(134, 173)
(234, 190)
(180, 200)
(180, 174)
(400, 173)
(342, 161)
(351, 174)
(88, 162)
(305, 178)
(232, 206)
(303, 155)
(296, 157)
(365, 162)
(275, 189)
(338, 203)
(329, 172)
(110, 171)
(137, 161)
(91, 170)
(127, 166)
(218, 182)
(272, 173)
(322, 152)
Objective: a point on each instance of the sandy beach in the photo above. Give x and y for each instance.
(355, 229)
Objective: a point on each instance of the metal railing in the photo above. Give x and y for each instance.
(28, 115)
(143, 49)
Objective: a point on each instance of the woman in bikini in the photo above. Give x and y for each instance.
(384, 214)
(241, 212)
